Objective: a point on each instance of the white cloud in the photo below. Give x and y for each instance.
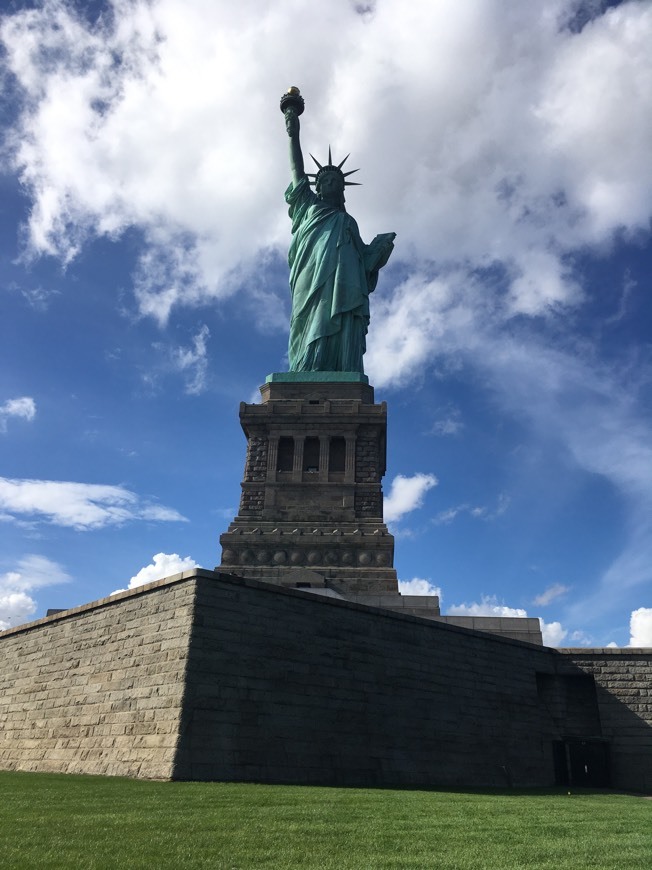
(418, 586)
(39, 298)
(553, 633)
(640, 627)
(162, 565)
(479, 512)
(594, 413)
(23, 408)
(487, 606)
(417, 321)
(535, 146)
(79, 506)
(450, 424)
(193, 362)
(32, 572)
(449, 514)
(406, 494)
(535, 143)
(550, 594)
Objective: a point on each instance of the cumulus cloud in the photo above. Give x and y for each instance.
(594, 412)
(162, 565)
(406, 494)
(550, 594)
(640, 627)
(80, 506)
(418, 586)
(32, 572)
(553, 633)
(24, 408)
(513, 137)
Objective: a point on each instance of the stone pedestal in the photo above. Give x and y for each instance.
(311, 511)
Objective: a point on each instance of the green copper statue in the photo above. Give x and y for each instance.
(332, 272)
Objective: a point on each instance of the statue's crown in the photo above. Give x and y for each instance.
(331, 167)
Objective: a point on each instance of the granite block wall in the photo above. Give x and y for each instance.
(208, 676)
(623, 679)
(283, 688)
(98, 689)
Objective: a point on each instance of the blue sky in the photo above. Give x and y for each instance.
(143, 237)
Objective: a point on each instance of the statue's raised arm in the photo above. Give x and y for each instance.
(292, 110)
(332, 271)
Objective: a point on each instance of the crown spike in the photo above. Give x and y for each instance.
(353, 184)
(313, 177)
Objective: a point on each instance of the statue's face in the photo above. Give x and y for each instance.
(331, 187)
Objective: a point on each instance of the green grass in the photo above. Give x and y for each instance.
(50, 820)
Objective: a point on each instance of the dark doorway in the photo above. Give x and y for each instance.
(582, 763)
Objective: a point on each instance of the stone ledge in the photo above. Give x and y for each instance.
(274, 589)
(109, 599)
(317, 377)
(320, 389)
(522, 628)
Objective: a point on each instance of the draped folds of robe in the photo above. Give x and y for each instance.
(330, 285)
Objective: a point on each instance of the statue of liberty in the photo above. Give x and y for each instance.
(332, 271)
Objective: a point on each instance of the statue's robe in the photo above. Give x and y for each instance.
(330, 285)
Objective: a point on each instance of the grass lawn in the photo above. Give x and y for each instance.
(51, 820)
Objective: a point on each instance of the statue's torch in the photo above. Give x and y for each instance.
(292, 100)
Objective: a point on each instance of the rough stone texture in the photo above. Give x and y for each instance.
(256, 461)
(525, 628)
(368, 504)
(346, 694)
(208, 676)
(623, 679)
(425, 606)
(252, 502)
(313, 507)
(98, 689)
(294, 519)
(368, 460)
(329, 389)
